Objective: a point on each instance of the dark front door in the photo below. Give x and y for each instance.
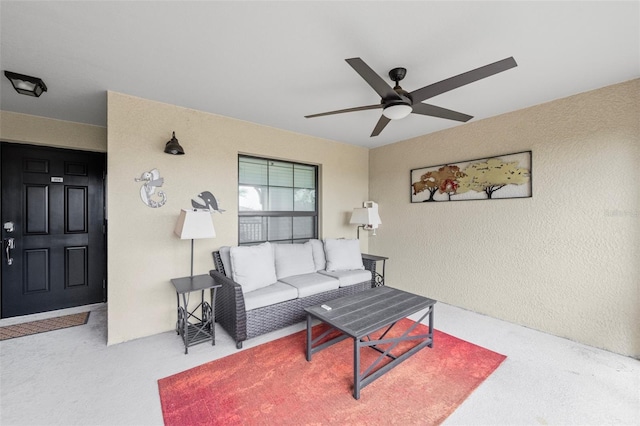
(53, 229)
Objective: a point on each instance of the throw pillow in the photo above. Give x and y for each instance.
(253, 267)
(293, 259)
(343, 255)
(318, 254)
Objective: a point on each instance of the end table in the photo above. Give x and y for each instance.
(372, 259)
(192, 328)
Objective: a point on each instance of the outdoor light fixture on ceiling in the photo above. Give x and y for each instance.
(173, 147)
(26, 85)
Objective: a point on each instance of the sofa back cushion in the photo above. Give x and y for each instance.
(318, 254)
(253, 267)
(343, 254)
(293, 259)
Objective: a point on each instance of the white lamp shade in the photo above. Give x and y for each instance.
(366, 216)
(194, 224)
(374, 218)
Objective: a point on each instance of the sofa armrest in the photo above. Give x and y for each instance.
(370, 265)
(217, 261)
(230, 308)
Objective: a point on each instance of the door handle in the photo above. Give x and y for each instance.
(9, 244)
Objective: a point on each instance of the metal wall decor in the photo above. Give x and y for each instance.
(506, 176)
(152, 180)
(206, 200)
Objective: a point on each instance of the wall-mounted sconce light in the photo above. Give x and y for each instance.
(173, 147)
(26, 85)
(367, 217)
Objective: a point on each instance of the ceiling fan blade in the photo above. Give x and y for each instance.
(382, 123)
(374, 80)
(435, 111)
(340, 111)
(451, 83)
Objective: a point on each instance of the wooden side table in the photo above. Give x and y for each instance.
(192, 328)
(372, 259)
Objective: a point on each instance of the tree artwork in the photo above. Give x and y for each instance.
(477, 179)
(492, 175)
(443, 180)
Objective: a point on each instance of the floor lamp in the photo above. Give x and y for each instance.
(194, 224)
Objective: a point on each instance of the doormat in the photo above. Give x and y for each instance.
(274, 384)
(41, 326)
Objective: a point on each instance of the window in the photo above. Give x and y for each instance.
(277, 201)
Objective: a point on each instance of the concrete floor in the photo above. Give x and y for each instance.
(70, 377)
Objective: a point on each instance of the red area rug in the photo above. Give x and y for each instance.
(274, 384)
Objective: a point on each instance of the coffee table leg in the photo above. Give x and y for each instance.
(431, 325)
(308, 337)
(356, 368)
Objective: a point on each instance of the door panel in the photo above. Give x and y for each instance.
(36, 270)
(55, 198)
(36, 209)
(76, 266)
(75, 209)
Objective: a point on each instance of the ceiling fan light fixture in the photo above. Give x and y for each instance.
(397, 111)
(25, 84)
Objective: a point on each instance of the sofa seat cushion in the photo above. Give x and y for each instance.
(269, 295)
(351, 277)
(293, 259)
(309, 284)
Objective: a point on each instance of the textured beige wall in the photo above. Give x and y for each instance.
(564, 261)
(143, 252)
(24, 128)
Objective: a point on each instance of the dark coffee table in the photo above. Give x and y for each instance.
(359, 315)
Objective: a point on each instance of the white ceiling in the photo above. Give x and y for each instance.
(274, 62)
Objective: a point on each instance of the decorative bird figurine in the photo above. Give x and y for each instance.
(206, 200)
(151, 180)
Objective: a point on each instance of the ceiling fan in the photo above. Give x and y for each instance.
(397, 103)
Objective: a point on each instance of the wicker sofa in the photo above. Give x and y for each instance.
(289, 282)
